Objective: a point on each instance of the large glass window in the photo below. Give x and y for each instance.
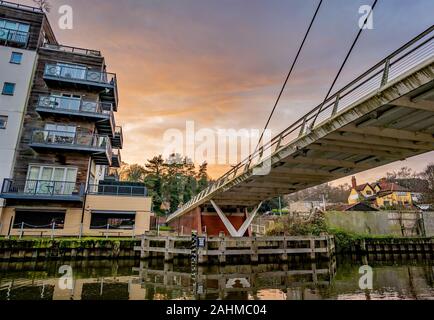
(60, 134)
(14, 31)
(51, 180)
(39, 220)
(113, 220)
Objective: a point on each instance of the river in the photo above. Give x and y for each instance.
(411, 277)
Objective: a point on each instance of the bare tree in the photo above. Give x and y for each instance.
(44, 5)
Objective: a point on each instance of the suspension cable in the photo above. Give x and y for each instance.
(289, 74)
(343, 64)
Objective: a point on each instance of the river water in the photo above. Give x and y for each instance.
(411, 277)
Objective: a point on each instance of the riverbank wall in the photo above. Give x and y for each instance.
(45, 249)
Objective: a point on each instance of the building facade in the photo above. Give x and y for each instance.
(60, 137)
(382, 194)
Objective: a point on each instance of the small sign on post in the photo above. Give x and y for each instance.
(201, 242)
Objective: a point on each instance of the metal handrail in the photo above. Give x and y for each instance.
(81, 74)
(42, 187)
(84, 106)
(14, 35)
(117, 190)
(75, 50)
(421, 46)
(53, 137)
(20, 6)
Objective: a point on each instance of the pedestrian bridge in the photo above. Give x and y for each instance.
(383, 116)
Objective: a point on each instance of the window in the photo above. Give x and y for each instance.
(60, 134)
(114, 220)
(16, 57)
(14, 31)
(39, 220)
(3, 122)
(8, 89)
(51, 180)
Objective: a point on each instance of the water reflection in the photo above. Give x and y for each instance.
(154, 280)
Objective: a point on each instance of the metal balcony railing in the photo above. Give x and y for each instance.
(71, 73)
(14, 36)
(41, 188)
(75, 50)
(117, 190)
(413, 53)
(20, 6)
(70, 139)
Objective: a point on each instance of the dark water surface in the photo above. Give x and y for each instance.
(412, 278)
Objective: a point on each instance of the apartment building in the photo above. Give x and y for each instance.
(58, 136)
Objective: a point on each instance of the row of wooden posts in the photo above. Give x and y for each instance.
(225, 249)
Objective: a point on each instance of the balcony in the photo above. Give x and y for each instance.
(99, 147)
(116, 159)
(13, 38)
(42, 190)
(100, 112)
(83, 79)
(74, 50)
(118, 189)
(118, 139)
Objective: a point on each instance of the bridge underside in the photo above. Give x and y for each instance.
(393, 132)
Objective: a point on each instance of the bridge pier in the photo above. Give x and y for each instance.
(211, 223)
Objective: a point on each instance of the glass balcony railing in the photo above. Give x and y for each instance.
(80, 74)
(71, 139)
(34, 189)
(74, 105)
(117, 190)
(14, 36)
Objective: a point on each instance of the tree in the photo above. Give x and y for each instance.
(202, 177)
(428, 175)
(135, 173)
(154, 170)
(44, 5)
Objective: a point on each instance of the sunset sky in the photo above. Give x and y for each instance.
(221, 63)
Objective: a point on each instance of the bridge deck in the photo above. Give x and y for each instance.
(385, 115)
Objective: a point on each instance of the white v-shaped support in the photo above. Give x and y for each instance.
(232, 231)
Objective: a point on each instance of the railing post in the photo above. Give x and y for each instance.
(22, 230)
(80, 233)
(303, 126)
(385, 73)
(134, 231)
(108, 229)
(336, 106)
(53, 227)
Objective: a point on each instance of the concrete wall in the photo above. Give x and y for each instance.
(375, 223)
(13, 106)
(428, 220)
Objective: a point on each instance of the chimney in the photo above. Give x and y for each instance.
(354, 182)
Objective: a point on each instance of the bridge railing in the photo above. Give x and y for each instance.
(416, 51)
